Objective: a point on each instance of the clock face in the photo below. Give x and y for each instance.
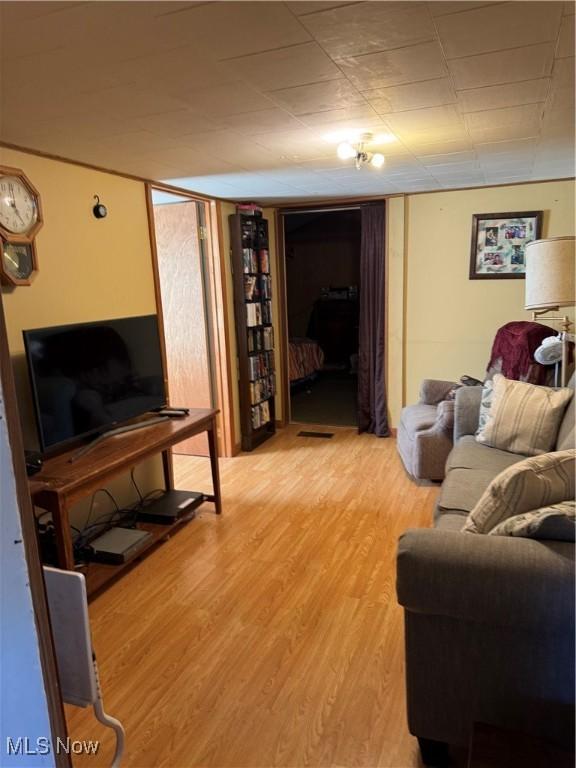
(17, 261)
(18, 210)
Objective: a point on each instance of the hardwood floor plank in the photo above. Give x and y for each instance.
(269, 636)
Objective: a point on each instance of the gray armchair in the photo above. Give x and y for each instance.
(424, 437)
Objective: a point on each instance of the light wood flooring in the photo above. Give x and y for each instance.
(270, 636)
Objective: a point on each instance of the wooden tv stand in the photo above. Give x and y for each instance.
(62, 483)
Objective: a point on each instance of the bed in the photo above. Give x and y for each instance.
(305, 359)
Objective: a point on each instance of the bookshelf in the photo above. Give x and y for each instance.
(254, 332)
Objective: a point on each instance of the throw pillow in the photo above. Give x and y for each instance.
(557, 521)
(530, 484)
(523, 418)
(485, 405)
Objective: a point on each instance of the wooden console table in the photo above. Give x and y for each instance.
(62, 483)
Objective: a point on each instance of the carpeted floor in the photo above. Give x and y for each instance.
(330, 400)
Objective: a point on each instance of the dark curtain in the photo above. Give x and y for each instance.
(372, 416)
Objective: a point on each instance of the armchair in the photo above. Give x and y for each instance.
(425, 431)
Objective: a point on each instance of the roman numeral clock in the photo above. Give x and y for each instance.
(20, 221)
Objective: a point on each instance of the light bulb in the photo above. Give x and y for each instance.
(377, 160)
(345, 151)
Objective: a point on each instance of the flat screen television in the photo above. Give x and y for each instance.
(90, 377)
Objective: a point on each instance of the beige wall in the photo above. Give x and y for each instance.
(395, 306)
(451, 320)
(89, 269)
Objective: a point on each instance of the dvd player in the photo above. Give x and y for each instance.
(170, 507)
(119, 545)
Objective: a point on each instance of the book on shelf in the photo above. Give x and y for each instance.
(252, 288)
(263, 260)
(249, 260)
(266, 286)
(260, 415)
(253, 314)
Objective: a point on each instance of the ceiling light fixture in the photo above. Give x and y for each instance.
(358, 151)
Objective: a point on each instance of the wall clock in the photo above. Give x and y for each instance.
(20, 221)
(17, 263)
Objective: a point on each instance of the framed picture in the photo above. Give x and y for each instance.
(499, 242)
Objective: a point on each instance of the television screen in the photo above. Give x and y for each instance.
(86, 378)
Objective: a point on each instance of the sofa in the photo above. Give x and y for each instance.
(424, 437)
(489, 620)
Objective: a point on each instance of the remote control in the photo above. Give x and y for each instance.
(173, 412)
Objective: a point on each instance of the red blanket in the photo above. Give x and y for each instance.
(514, 346)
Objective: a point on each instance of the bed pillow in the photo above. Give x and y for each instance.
(530, 484)
(523, 418)
(557, 522)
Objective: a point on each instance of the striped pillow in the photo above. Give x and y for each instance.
(530, 484)
(524, 418)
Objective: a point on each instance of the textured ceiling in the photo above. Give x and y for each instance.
(249, 100)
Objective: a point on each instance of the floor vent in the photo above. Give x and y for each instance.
(315, 434)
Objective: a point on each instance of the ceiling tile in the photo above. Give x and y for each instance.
(433, 124)
(440, 8)
(565, 45)
(318, 97)
(223, 100)
(225, 29)
(508, 95)
(499, 27)
(262, 121)
(302, 7)
(430, 93)
(174, 70)
(527, 63)
(362, 28)
(360, 116)
(404, 65)
(285, 67)
(503, 132)
(448, 158)
(563, 73)
(177, 123)
(425, 148)
(497, 149)
(528, 116)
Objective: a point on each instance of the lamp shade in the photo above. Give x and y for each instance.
(550, 273)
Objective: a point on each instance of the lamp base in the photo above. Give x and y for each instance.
(565, 324)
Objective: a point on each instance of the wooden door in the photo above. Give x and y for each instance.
(182, 287)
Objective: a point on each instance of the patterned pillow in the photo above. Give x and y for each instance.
(523, 418)
(485, 405)
(557, 522)
(530, 484)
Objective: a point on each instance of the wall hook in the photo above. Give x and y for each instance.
(100, 211)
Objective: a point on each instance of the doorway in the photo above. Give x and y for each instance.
(180, 235)
(322, 267)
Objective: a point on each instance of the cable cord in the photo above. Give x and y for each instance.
(108, 720)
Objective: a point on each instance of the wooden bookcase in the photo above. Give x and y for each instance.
(254, 332)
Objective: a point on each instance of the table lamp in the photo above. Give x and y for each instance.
(550, 284)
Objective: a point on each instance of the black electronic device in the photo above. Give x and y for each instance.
(170, 507)
(118, 545)
(173, 412)
(90, 377)
(33, 462)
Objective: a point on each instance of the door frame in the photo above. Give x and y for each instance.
(280, 213)
(219, 338)
(31, 551)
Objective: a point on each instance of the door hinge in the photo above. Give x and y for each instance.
(202, 233)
